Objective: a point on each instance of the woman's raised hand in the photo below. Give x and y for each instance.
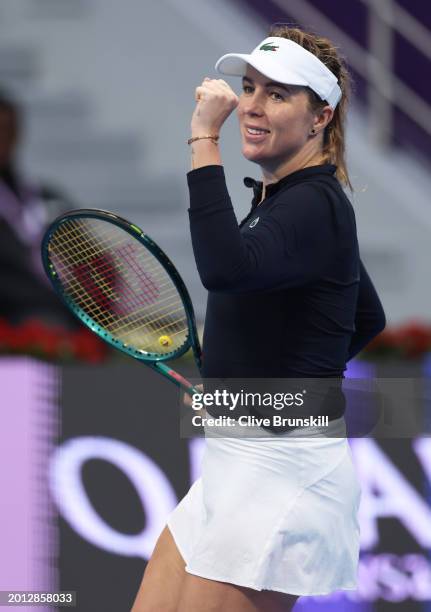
(215, 102)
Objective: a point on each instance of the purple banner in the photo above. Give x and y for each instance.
(29, 426)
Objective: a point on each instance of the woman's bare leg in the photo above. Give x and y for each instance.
(163, 577)
(167, 587)
(202, 595)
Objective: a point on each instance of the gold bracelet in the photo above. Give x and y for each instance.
(212, 137)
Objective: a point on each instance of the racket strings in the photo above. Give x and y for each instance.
(129, 322)
(161, 314)
(171, 300)
(90, 293)
(141, 275)
(71, 260)
(119, 284)
(71, 277)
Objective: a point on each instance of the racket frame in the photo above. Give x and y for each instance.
(153, 360)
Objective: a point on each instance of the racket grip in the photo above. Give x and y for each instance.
(176, 378)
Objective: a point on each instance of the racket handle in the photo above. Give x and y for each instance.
(175, 378)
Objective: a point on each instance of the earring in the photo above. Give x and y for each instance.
(313, 131)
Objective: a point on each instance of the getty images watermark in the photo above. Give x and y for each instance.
(381, 408)
(243, 399)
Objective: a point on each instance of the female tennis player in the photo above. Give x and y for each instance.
(276, 518)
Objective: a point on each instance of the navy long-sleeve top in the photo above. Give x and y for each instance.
(287, 293)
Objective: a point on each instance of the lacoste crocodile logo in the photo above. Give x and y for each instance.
(268, 47)
(254, 222)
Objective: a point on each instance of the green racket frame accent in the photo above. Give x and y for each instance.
(153, 360)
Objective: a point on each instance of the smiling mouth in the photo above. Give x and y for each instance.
(256, 131)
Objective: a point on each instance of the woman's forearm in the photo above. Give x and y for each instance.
(205, 153)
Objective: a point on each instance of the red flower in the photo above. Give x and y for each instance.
(5, 332)
(88, 347)
(34, 337)
(411, 339)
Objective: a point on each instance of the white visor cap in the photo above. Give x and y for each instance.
(285, 61)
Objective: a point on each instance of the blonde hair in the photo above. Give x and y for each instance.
(325, 50)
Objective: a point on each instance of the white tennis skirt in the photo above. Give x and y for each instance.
(277, 513)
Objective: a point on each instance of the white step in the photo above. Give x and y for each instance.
(86, 147)
(19, 64)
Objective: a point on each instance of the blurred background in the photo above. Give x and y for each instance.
(96, 98)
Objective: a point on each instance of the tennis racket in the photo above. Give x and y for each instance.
(122, 286)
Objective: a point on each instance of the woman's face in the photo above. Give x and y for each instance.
(281, 110)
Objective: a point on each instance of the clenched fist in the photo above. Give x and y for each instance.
(215, 102)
